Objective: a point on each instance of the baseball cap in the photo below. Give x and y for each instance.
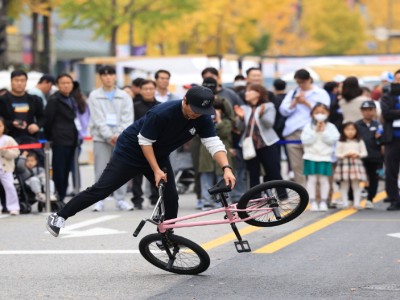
(47, 78)
(387, 76)
(200, 100)
(368, 104)
(210, 83)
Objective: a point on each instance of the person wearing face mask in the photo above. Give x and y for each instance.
(256, 119)
(318, 138)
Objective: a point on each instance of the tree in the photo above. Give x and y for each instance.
(333, 27)
(106, 17)
(35, 9)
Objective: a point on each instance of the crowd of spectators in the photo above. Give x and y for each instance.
(333, 137)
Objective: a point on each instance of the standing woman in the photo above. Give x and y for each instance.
(352, 98)
(61, 128)
(259, 113)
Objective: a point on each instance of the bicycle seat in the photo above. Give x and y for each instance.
(220, 187)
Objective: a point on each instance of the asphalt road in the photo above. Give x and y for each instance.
(320, 255)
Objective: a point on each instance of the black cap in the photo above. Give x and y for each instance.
(368, 104)
(47, 78)
(200, 100)
(210, 83)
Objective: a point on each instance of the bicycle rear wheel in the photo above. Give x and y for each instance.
(181, 256)
(285, 199)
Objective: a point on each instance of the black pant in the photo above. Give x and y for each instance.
(63, 156)
(137, 192)
(269, 158)
(373, 178)
(116, 174)
(392, 164)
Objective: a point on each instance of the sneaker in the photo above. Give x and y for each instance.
(199, 204)
(53, 198)
(393, 206)
(364, 193)
(138, 206)
(123, 205)
(99, 206)
(40, 197)
(323, 206)
(207, 206)
(314, 206)
(54, 224)
(14, 212)
(369, 204)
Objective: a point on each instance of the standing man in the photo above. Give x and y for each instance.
(43, 88)
(391, 139)
(144, 148)
(141, 107)
(162, 82)
(111, 111)
(23, 113)
(296, 107)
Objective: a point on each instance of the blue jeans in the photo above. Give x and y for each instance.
(240, 174)
(207, 181)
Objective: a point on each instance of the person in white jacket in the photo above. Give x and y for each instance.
(111, 111)
(319, 138)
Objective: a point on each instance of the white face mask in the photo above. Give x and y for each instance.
(320, 117)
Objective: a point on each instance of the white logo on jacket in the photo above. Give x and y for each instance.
(192, 131)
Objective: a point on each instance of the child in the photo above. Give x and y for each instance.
(369, 133)
(350, 169)
(7, 166)
(34, 176)
(318, 139)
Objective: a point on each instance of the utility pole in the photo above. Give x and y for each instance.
(3, 34)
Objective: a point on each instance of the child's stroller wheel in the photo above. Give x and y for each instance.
(56, 206)
(41, 206)
(181, 188)
(24, 208)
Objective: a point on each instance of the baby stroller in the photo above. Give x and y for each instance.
(25, 195)
(182, 164)
(27, 198)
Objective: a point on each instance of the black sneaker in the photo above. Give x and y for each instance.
(54, 224)
(394, 206)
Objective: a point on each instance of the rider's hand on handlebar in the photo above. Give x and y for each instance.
(158, 175)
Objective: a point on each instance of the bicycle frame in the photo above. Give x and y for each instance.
(229, 210)
(231, 218)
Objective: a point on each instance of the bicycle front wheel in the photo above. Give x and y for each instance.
(275, 202)
(174, 254)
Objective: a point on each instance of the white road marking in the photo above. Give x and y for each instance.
(47, 252)
(4, 216)
(89, 232)
(71, 232)
(396, 235)
(91, 222)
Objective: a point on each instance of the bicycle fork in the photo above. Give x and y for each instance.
(240, 245)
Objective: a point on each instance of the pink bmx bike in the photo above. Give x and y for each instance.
(268, 204)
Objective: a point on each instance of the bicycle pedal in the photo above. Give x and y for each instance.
(242, 246)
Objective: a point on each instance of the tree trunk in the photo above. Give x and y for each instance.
(3, 34)
(113, 43)
(114, 29)
(131, 37)
(46, 59)
(34, 41)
